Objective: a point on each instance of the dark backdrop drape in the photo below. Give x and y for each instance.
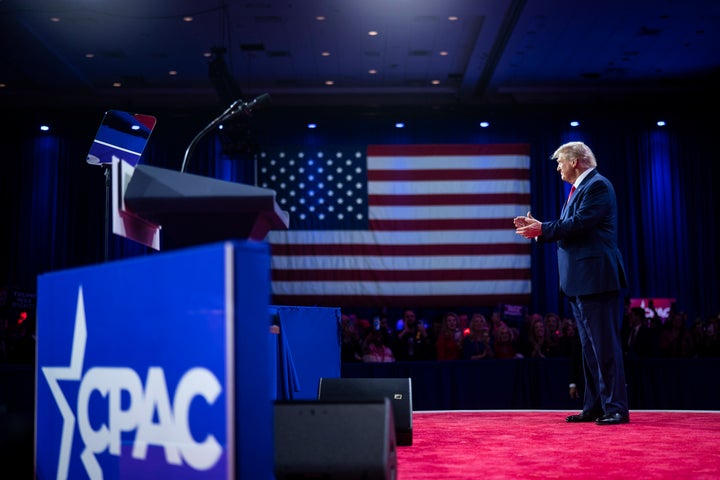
(54, 203)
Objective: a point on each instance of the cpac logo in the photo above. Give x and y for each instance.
(114, 385)
(662, 312)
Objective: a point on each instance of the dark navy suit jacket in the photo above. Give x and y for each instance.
(589, 260)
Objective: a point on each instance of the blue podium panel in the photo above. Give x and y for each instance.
(156, 367)
(309, 349)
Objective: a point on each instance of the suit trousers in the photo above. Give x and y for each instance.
(599, 319)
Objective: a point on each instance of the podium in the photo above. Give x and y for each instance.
(157, 367)
(169, 209)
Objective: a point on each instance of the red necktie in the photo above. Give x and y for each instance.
(572, 190)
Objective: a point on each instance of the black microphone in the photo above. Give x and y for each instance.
(237, 107)
(258, 102)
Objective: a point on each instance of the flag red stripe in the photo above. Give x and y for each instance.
(399, 301)
(441, 224)
(420, 150)
(449, 174)
(298, 275)
(452, 199)
(376, 250)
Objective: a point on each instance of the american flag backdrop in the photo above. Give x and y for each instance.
(399, 225)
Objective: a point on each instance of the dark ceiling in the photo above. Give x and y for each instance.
(426, 52)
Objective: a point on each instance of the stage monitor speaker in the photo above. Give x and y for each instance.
(332, 440)
(397, 390)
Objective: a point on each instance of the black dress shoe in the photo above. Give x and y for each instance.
(613, 419)
(583, 417)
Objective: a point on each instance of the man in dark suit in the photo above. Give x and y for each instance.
(591, 276)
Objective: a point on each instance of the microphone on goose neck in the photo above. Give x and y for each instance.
(237, 107)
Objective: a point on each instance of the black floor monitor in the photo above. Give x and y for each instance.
(398, 390)
(335, 440)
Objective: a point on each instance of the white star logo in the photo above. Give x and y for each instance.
(72, 372)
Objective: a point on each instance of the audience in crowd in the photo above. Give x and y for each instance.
(448, 345)
(647, 341)
(433, 331)
(375, 350)
(17, 340)
(569, 340)
(675, 341)
(711, 340)
(411, 342)
(382, 324)
(350, 342)
(464, 323)
(496, 320)
(534, 343)
(505, 343)
(634, 320)
(476, 344)
(553, 334)
(644, 335)
(697, 334)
